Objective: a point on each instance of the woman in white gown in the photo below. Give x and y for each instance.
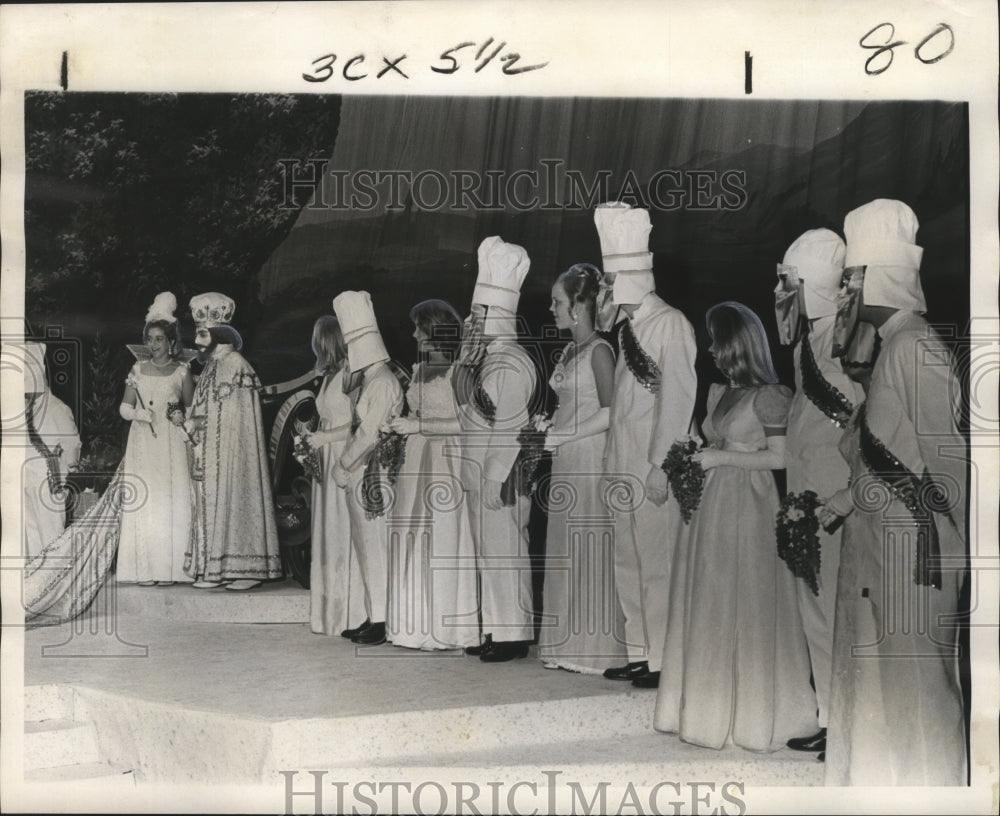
(336, 594)
(433, 600)
(154, 532)
(735, 659)
(582, 625)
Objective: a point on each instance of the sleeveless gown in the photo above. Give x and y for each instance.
(433, 596)
(582, 625)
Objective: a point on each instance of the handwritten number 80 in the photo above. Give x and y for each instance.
(889, 45)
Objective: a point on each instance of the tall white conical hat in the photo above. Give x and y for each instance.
(360, 328)
(624, 234)
(881, 235)
(500, 272)
(818, 258)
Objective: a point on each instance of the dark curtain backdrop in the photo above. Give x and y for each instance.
(127, 195)
(806, 164)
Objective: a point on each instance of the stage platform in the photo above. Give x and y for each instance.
(178, 686)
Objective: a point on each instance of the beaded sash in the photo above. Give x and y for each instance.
(481, 401)
(642, 366)
(820, 391)
(51, 455)
(469, 390)
(520, 479)
(919, 496)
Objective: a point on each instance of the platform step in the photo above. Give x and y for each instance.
(273, 602)
(48, 703)
(449, 733)
(666, 757)
(51, 743)
(99, 774)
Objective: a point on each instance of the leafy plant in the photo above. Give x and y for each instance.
(102, 429)
(130, 194)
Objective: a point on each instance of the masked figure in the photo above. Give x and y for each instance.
(806, 307)
(55, 447)
(896, 712)
(651, 407)
(494, 382)
(377, 398)
(234, 538)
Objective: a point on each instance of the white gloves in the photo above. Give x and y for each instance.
(133, 414)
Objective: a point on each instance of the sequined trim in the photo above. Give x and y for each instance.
(520, 480)
(820, 391)
(51, 455)
(913, 493)
(642, 366)
(481, 401)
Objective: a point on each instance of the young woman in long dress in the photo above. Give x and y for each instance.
(155, 529)
(735, 663)
(336, 594)
(582, 625)
(433, 601)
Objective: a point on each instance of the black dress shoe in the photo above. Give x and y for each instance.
(648, 680)
(482, 648)
(372, 636)
(505, 650)
(817, 742)
(629, 672)
(357, 630)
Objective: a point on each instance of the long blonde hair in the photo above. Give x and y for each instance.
(741, 349)
(328, 345)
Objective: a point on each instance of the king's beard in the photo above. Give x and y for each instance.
(204, 353)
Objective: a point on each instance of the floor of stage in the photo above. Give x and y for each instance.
(209, 686)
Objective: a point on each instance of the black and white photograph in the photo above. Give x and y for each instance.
(409, 409)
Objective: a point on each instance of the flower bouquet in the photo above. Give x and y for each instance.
(307, 456)
(540, 422)
(797, 529)
(685, 476)
(531, 438)
(390, 452)
(176, 415)
(521, 479)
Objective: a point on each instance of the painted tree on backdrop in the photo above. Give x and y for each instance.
(130, 194)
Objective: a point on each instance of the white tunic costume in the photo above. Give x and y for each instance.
(647, 417)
